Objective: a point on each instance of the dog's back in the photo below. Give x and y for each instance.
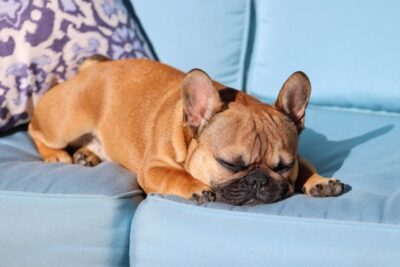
(91, 101)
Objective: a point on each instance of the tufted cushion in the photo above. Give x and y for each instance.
(43, 42)
(349, 50)
(207, 34)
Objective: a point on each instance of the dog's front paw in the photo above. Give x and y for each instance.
(204, 197)
(327, 187)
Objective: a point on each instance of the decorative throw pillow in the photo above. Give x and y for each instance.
(42, 43)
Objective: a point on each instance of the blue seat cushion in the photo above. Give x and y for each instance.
(22, 170)
(358, 228)
(349, 49)
(61, 214)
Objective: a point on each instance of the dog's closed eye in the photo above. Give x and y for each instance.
(283, 167)
(233, 166)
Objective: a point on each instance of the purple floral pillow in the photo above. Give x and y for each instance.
(42, 43)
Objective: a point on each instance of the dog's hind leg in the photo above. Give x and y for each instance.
(67, 112)
(51, 143)
(61, 117)
(52, 135)
(49, 154)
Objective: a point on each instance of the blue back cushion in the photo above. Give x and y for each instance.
(349, 49)
(207, 34)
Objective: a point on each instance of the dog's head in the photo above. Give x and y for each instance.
(244, 149)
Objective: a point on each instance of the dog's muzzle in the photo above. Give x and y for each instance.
(255, 188)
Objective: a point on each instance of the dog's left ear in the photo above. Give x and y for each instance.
(293, 98)
(200, 99)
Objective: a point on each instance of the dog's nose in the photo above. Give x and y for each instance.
(257, 178)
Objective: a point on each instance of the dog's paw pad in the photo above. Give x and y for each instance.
(86, 158)
(326, 188)
(204, 197)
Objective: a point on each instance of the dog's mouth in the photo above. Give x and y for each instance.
(255, 188)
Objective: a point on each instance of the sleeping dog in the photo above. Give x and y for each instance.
(181, 133)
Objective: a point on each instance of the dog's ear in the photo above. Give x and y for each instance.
(293, 98)
(200, 99)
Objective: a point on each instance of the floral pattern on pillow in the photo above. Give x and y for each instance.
(42, 43)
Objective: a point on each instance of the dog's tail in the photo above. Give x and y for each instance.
(91, 60)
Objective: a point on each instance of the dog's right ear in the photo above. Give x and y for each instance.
(200, 99)
(293, 98)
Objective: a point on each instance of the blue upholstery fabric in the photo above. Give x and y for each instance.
(359, 228)
(62, 215)
(207, 34)
(349, 49)
(23, 170)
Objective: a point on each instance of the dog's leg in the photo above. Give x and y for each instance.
(64, 115)
(312, 184)
(166, 180)
(52, 135)
(57, 121)
(50, 154)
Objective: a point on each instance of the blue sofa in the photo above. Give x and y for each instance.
(65, 215)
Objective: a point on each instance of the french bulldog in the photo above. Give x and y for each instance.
(182, 134)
